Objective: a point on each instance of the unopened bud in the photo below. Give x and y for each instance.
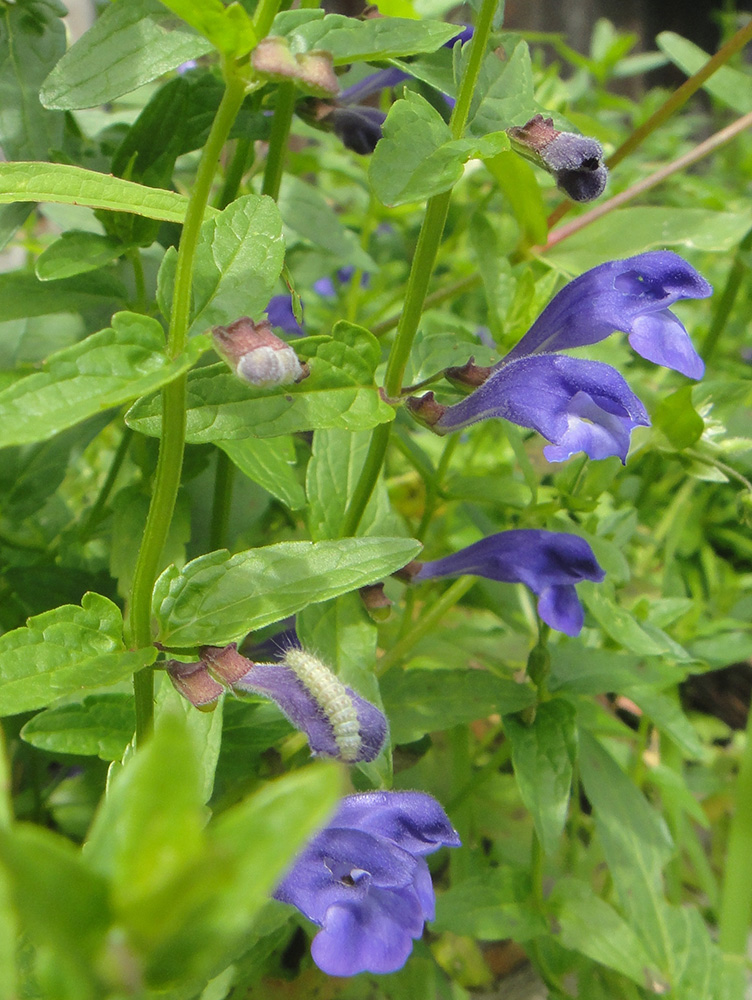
(575, 161)
(468, 376)
(426, 410)
(376, 603)
(312, 71)
(195, 683)
(257, 355)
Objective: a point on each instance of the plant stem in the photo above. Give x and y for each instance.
(721, 137)
(736, 891)
(264, 17)
(726, 301)
(281, 123)
(492, 765)
(434, 299)
(431, 618)
(223, 479)
(134, 255)
(421, 269)
(234, 174)
(172, 442)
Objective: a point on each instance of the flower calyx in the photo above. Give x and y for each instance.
(257, 355)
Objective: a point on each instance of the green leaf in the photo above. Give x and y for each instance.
(678, 419)
(9, 933)
(504, 94)
(518, 182)
(32, 39)
(204, 730)
(333, 471)
(238, 261)
(271, 464)
(636, 843)
(578, 669)
(587, 924)
(665, 711)
(68, 185)
(148, 829)
(219, 598)
(423, 701)
(646, 640)
(75, 253)
(646, 227)
(339, 392)
(101, 725)
(543, 755)
(104, 370)
(350, 40)
(491, 907)
(728, 85)
(128, 45)
(24, 295)
(306, 212)
(66, 651)
(417, 157)
(229, 29)
(62, 905)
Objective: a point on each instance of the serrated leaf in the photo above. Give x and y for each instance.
(101, 725)
(229, 28)
(32, 40)
(128, 45)
(587, 924)
(75, 253)
(69, 185)
(417, 157)
(269, 463)
(350, 40)
(66, 651)
(729, 85)
(104, 370)
(543, 756)
(423, 701)
(219, 598)
(238, 261)
(306, 212)
(504, 94)
(339, 392)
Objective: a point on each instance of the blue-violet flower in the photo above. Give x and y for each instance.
(365, 882)
(581, 405)
(550, 563)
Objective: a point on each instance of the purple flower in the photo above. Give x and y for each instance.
(581, 405)
(365, 882)
(325, 287)
(550, 563)
(336, 720)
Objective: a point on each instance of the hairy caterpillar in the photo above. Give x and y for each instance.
(332, 697)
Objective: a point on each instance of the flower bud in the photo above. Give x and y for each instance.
(257, 355)
(312, 71)
(575, 161)
(358, 128)
(195, 683)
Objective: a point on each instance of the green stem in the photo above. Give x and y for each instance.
(281, 123)
(536, 871)
(434, 299)
(117, 462)
(264, 17)
(223, 480)
(736, 892)
(492, 765)
(134, 256)
(428, 621)
(239, 163)
(421, 269)
(726, 301)
(172, 442)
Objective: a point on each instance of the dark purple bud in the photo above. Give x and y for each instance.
(575, 161)
(364, 880)
(550, 563)
(373, 84)
(358, 128)
(257, 355)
